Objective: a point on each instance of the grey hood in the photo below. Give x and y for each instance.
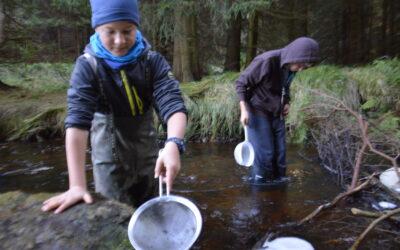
(301, 50)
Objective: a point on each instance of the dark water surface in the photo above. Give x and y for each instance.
(235, 214)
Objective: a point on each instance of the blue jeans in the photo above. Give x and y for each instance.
(267, 135)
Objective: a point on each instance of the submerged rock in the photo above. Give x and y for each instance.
(101, 225)
(390, 180)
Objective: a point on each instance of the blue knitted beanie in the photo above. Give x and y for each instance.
(107, 11)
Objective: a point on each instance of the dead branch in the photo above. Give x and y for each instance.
(371, 226)
(363, 124)
(359, 212)
(337, 199)
(357, 167)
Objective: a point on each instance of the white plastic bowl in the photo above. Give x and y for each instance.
(288, 243)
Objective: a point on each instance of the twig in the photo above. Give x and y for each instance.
(360, 212)
(336, 200)
(363, 124)
(371, 226)
(357, 167)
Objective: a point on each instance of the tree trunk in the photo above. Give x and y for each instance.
(394, 29)
(298, 21)
(364, 38)
(291, 21)
(304, 24)
(177, 61)
(383, 42)
(155, 29)
(194, 48)
(78, 39)
(352, 29)
(337, 43)
(187, 75)
(252, 38)
(183, 53)
(232, 57)
(59, 37)
(2, 23)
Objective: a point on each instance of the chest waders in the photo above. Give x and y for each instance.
(124, 152)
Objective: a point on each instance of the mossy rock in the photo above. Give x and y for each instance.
(101, 225)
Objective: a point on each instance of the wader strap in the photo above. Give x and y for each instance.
(147, 76)
(93, 64)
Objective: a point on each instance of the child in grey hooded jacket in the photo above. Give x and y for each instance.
(263, 89)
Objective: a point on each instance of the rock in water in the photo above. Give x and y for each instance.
(387, 205)
(390, 180)
(101, 225)
(287, 243)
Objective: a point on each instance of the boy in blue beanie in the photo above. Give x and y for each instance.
(113, 88)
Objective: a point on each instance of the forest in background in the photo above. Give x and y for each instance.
(210, 41)
(347, 108)
(203, 37)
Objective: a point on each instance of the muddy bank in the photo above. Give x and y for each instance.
(29, 116)
(102, 225)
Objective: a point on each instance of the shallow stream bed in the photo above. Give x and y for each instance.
(236, 215)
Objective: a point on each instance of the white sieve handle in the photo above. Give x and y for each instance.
(245, 133)
(160, 182)
(160, 187)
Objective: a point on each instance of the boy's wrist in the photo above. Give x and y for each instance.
(180, 143)
(78, 187)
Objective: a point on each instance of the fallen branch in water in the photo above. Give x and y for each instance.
(371, 226)
(337, 199)
(356, 211)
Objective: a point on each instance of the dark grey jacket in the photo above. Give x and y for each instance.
(266, 79)
(84, 97)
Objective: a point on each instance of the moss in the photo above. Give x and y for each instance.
(74, 228)
(379, 84)
(39, 78)
(373, 89)
(10, 197)
(23, 116)
(45, 124)
(35, 109)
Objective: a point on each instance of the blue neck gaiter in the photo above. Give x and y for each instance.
(117, 61)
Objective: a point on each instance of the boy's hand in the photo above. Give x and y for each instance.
(244, 114)
(168, 164)
(244, 117)
(286, 109)
(67, 199)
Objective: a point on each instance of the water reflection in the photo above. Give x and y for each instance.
(235, 214)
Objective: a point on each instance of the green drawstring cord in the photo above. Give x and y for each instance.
(139, 102)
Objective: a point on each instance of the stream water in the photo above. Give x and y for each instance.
(236, 215)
